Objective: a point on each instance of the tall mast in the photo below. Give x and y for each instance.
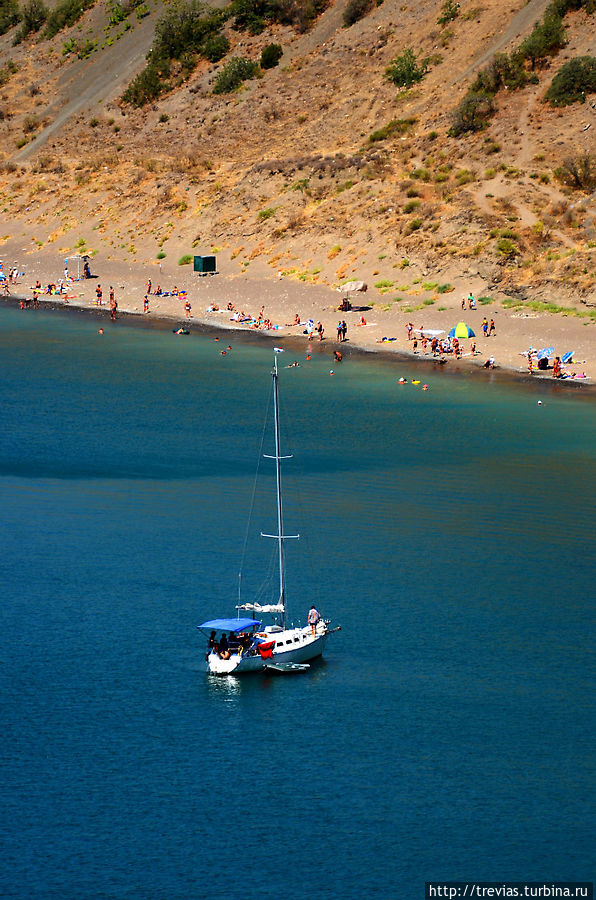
(280, 533)
(280, 537)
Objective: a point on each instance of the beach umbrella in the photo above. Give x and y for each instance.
(545, 353)
(568, 357)
(353, 287)
(461, 330)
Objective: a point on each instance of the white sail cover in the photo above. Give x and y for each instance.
(267, 608)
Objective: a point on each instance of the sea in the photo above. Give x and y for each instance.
(448, 732)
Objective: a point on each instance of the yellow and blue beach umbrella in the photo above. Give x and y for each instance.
(461, 330)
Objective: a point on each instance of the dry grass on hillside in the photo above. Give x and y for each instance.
(283, 174)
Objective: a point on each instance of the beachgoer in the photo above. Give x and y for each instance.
(463, 303)
(424, 344)
(473, 348)
(149, 286)
(557, 367)
(99, 294)
(344, 330)
(337, 356)
(320, 330)
(415, 345)
(146, 304)
(313, 619)
(188, 308)
(339, 330)
(409, 328)
(492, 328)
(530, 362)
(485, 326)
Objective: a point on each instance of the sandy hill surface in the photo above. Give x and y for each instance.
(281, 176)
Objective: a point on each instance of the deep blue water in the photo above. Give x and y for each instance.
(449, 732)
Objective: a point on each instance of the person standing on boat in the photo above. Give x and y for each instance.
(313, 619)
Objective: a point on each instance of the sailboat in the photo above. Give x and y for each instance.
(246, 645)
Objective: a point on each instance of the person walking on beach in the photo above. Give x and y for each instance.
(409, 328)
(313, 619)
(188, 308)
(149, 286)
(99, 295)
(485, 326)
(320, 330)
(530, 362)
(146, 304)
(344, 330)
(339, 330)
(492, 328)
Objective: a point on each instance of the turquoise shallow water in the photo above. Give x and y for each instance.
(447, 735)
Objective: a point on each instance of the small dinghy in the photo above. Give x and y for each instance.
(287, 668)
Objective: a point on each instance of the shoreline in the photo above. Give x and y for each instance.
(451, 368)
(375, 324)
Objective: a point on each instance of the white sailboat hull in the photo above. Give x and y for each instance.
(295, 645)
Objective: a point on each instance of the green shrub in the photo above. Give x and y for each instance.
(411, 205)
(265, 214)
(578, 172)
(148, 85)
(9, 15)
(395, 126)
(547, 37)
(506, 247)
(185, 30)
(356, 10)
(33, 15)
(215, 47)
(254, 15)
(573, 81)
(64, 15)
(444, 288)
(502, 71)
(161, 255)
(414, 225)
(271, 55)
(449, 12)
(471, 114)
(405, 70)
(164, 117)
(87, 49)
(234, 72)
(185, 260)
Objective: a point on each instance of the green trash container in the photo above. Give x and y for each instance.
(204, 265)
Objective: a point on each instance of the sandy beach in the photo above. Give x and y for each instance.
(369, 321)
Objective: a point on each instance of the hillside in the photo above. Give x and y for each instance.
(283, 175)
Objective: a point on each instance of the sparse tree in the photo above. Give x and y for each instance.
(405, 70)
(573, 81)
(471, 114)
(579, 172)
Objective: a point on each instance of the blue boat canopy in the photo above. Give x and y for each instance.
(234, 625)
